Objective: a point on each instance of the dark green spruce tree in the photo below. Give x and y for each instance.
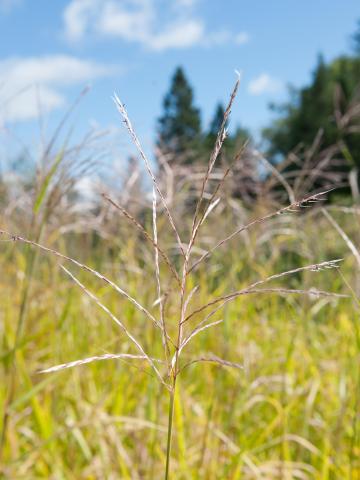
(234, 141)
(211, 135)
(356, 39)
(216, 122)
(179, 128)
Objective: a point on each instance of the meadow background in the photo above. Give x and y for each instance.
(271, 390)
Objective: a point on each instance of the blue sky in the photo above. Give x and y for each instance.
(49, 50)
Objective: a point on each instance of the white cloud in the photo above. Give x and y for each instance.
(25, 104)
(77, 15)
(264, 83)
(56, 69)
(132, 24)
(181, 35)
(154, 24)
(27, 83)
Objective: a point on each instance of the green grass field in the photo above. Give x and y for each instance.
(291, 412)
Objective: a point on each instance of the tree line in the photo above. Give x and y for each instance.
(328, 109)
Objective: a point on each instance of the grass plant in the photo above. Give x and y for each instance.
(269, 306)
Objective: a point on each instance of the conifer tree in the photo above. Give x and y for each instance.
(217, 120)
(179, 127)
(233, 142)
(214, 127)
(356, 39)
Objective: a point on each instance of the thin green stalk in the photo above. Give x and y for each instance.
(169, 432)
(30, 269)
(174, 366)
(12, 373)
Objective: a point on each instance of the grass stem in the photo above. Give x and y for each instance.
(169, 431)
